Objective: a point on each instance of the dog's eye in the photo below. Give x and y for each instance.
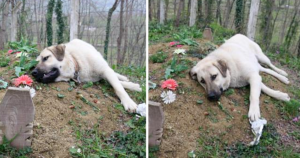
(45, 58)
(213, 77)
(202, 81)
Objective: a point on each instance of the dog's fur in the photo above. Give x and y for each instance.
(80, 61)
(236, 64)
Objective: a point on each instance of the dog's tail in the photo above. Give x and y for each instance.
(131, 86)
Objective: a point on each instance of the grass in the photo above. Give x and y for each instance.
(158, 57)
(119, 144)
(7, 150)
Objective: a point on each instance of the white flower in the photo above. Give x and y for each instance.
(32, 90)
(78, 150)
(168, 97)
(73, 147)
(141, 109)
(179, 51)
(20, 54)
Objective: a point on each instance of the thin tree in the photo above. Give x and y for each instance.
(150, 10)
(49, 22)
(5, 6)
(266, 23)
(229, 6)
(239, 16)
(110, 13)
(60, 22)
(252, 19)
(121, 31)
(180, 8)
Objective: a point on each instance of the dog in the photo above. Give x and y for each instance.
(236, 63)
(80, 61)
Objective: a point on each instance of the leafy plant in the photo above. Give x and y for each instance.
(7, 150)
(292, 108)
(176, 67)
(158, 57)
(87, 85)
(23, 46)
(220, 33)
(4, 61)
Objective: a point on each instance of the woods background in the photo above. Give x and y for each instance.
(127, 35)
(276, 29)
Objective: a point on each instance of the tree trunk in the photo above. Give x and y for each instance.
(3, 26)
(110, 13)
(14, 23)
(121, 31)
(252, 19)
(239, 16)
(180, 8)
(199, 14)
(227, 17)
(74, 19)
(284, 23)
(218, 14)
(167, 9)
(162, 12)
(193, 12)
(150, 10)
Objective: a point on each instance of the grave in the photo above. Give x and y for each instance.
(16, 117)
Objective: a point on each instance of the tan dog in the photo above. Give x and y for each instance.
(80, 61)
(236, 64)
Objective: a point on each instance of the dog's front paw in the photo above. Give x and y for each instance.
(129, 105)
(284, 97)
(254, 113)
(285, 80)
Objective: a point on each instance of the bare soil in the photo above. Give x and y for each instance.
(53, 134)
(185, 119)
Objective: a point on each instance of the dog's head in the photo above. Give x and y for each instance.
(213, 75)
(50, 61)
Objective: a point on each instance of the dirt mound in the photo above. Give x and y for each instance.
(59, 109)
(192, 119)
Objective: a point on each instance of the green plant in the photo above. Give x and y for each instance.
(7, 150)
(23, 46)
(176, 67)
(4, 61)
(292, 108)
(158, 57)
(220, 33)
(239, 15)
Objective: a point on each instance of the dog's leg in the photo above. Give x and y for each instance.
(275, 74)
(262, 58)
(255, 90)
(275, 94)
(112, 78)
(121, 77)
(131, 86)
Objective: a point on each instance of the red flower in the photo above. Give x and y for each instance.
(170, 84)
(171, 44)
(9, 51)
(24, 79)
(18, 52)
(179, 46)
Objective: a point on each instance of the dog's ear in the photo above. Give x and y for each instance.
(58, 51)
(221, 65)
(193, 74)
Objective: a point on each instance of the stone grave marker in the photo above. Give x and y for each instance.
(156, 122)
(207, 34)
(16, 117)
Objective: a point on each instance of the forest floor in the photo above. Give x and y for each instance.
(70, 117)
(194, 125)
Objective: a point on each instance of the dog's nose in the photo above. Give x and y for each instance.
(34, 73)
(212, 96)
